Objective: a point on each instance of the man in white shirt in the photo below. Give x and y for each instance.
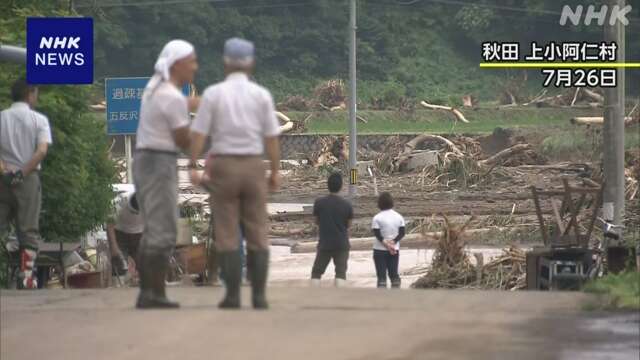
(124, 232)
(163, 129)
(25, 136)
(239, 116)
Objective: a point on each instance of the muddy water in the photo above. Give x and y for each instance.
(295, 269)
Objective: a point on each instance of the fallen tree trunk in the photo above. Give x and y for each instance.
(595, 120)
(411, 145)
(411, 241)
(504, 155)
(457, 113)
(288, 124)
(593, 95)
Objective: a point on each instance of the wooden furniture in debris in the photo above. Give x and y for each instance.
(566, 259)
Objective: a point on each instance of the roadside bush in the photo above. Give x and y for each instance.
(77, 173)
(618, 291)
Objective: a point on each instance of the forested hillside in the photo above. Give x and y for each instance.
(418, 49)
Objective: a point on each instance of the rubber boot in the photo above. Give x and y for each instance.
(143, 281)
(395, 283)
(27, 262)
(231, 272)
(258, 265)
(155, 297)
(382, 284)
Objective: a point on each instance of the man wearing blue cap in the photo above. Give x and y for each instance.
(239, 116)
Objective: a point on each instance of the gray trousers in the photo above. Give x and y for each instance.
(21, 205)
(156, 179)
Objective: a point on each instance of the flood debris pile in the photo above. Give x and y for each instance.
(452, 268)
(331, 95)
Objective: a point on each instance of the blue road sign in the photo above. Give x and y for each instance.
(123, 96)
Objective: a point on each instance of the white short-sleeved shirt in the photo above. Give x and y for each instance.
(160, 114)
(238, 114)
(127, 219)
(389, 222)
(21, 130)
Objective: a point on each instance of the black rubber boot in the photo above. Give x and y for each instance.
(154, 274)
(231, 272)
(258, 266)
(143, 282)
(395, 283)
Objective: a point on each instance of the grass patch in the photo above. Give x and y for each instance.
(440, 122)
(621, 291)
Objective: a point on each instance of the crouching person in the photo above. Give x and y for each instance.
(124, 232)
(388, 228)
(24, 139)
(333, 215)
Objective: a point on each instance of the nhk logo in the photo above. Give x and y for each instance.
(60, 50)
(616, 14)
(56, 58)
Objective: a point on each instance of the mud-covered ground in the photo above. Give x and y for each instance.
(503, 201)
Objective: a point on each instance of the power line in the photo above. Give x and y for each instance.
(183, 2)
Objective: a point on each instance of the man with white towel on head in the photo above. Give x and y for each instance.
(239, 115)
(163, 130)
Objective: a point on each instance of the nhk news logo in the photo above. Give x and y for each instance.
(59, 50)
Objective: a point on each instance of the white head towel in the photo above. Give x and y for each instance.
(173, 51)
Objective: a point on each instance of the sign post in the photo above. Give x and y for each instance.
(129, 156)
(123, 97)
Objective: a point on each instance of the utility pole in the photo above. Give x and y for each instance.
(353, 104)
(613, 130)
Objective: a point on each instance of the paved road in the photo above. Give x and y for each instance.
(319, 323)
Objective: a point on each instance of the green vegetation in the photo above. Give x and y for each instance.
(77, 173)
(418, 50)
(621, 291)
(441, 122)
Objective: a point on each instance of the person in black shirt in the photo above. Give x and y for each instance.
(333, 215)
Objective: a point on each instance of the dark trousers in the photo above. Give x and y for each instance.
(20, 206)
(128, 244)
(340, 259)
(386, 264)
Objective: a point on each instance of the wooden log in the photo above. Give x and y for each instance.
(575, 96)
(457, 113)
(288, 124)
(286, 127)
(595, 120)
(593, 95)
(467, 101)
(284, 118)
(504, 154)
(411, 145)
(358, 117)
(537, 98)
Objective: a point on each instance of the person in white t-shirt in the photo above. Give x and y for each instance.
(124, 232)
(388, 228)
(162, 131)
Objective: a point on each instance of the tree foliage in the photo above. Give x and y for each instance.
(77, 173)
(427, 48)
